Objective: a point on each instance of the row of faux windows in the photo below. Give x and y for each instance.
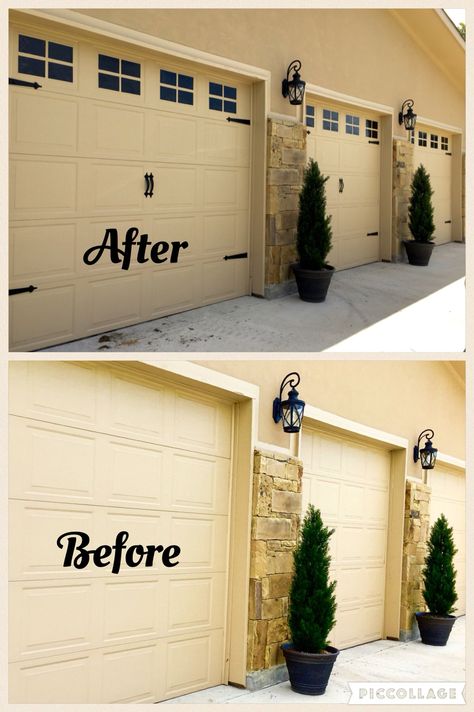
(353, 124)
(42, 58)
(434, 141)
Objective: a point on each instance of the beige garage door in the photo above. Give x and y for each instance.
(433, 149)
(349, 483)
(448, 497)
(345, 141)
(101, 451)
(106, 115)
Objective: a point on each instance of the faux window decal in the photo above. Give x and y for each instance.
(310, 115)
(371, 128)
(433, 141)
(422, 138)
(176, 87)
(444, 143)
(55, 63)
(352, 125)
(119, 74)
(222, 98)
(330, 120)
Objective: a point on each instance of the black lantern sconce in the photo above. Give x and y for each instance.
(293, 88)
(426, 454)
(290, 410)
(407, 117)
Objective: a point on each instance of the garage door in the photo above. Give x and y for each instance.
(116, 138)
(100, 451)
(349, 483)
(448, 497)
(345, 142)
(433, 149)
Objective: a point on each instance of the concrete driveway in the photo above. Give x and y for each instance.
(381, 307)
(381, 661)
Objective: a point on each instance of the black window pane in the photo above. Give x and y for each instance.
(167, 94)
(310, 110)
(185, 82)
(215, 104)
(59, 51)
(185, 97)
(230, 106)
(168, 77)
(132, 69)
(215, 88)
(108, 81)
(59, 71)
(309, 121)
(110, 64)
(28, 65)
(31, 45)
(230, 92)
(130, 86)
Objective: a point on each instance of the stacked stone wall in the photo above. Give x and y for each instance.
(402, 177)
(415, 538)
(276, 512)
(286, 160)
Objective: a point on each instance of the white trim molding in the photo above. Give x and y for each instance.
(445, 459)
(348, 99)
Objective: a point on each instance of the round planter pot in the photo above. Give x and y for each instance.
(418, 253)
(309, 672)
(313, 284)
(434, 630)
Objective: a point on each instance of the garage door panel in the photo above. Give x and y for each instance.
(327, 154)
(200, 424)
(113, 301)
(224, 233)
(135, 410)
(224, 188)
(191, 664)
(353, 502)
(44, 124)
(42, 317)
(357, 220)
(208, 491)
(172, 138)
(135, 474)
(40, 187)
(48, 251)
(438, 164)
(132, 610)
(355, 154)
(324, 494)
(55, 681)
(223, 279)
(328, 455)
(175, 188)
(115, 187)
(195, 603)
(127, 676)
(224, 143)
(115, 132)
(202, 541)
(174, 290)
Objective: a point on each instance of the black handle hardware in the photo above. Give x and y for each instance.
(341, 185)
(446, 222)
(239, 121)
(147, 188)
(240, 256)
(369, 234)
(376, 142)
(152, 182)
(21, 290)
(448, 154)
(22, 83)
(308, 131)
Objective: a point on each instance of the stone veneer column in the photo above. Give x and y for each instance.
(276, 509)
(402, 177)
(415, 537)
(286, 160)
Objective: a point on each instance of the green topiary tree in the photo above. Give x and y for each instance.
(439, 576)
(314, 232)
(420, 210)
(312, 604)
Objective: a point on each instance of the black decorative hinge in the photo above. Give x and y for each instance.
(239, 121)
(448, 154)
(369, 234)
(21, 290)
(446, 222)
(240, 256)
(376, 142)
(22, 83)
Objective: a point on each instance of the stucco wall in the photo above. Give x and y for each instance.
(363, 53)
(399, 397)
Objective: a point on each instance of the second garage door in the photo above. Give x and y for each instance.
(433, 149)
(349, 482)
(100, 452)
(345, 141)
(117, 137)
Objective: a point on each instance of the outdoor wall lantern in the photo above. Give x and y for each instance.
(293, 88)
(289, 410)
(407, 117)
(426, 454)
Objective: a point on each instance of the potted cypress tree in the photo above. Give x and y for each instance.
(312, 609)
(439, 585)
(420, 219)
(313, 240)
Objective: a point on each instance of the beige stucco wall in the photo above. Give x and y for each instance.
(399, 397)
(370, 54)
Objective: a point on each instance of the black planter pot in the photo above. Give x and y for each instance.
(309, 672)
(434, 630)
(313, 284)
(418, 253)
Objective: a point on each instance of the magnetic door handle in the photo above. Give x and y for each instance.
(147, 189)
(152, 181)
(341, 185)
